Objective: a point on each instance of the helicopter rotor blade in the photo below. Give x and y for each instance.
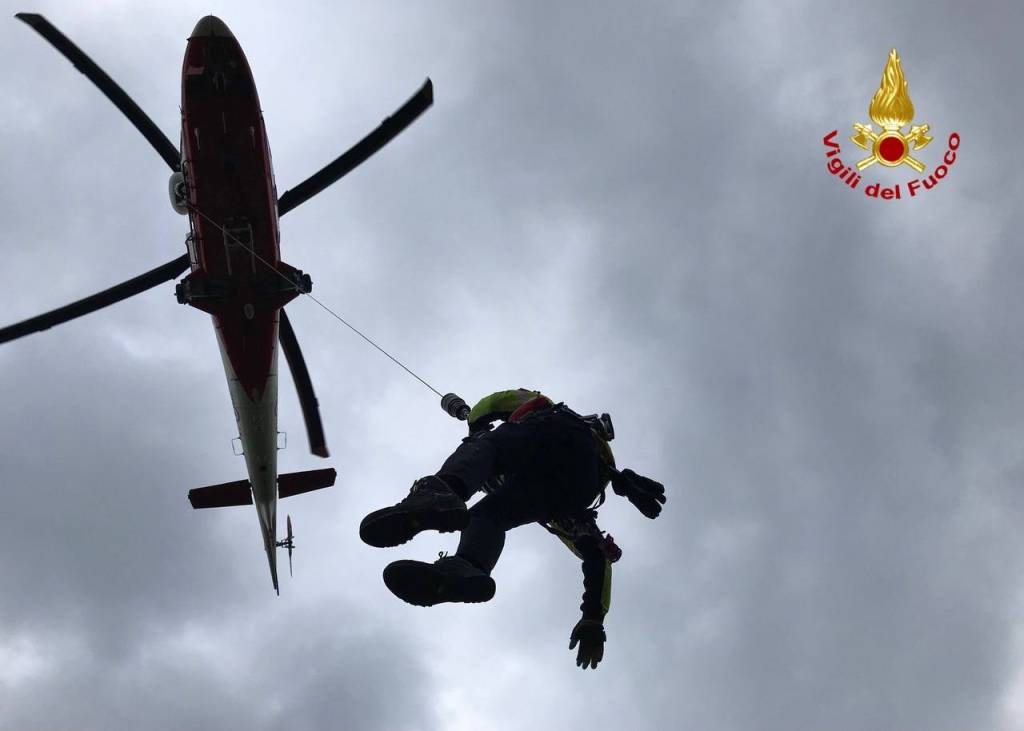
(118, 292)
(348, 161)
(303, 384)
(108, 86)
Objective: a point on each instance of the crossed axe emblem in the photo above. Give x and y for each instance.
(890, 147)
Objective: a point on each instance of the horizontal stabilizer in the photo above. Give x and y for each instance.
(296, 483)
(221, 496)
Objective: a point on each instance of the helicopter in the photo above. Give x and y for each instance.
(222, 178)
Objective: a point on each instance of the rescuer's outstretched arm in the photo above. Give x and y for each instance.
(597, 587)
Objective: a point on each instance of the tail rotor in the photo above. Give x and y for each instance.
(289, 543)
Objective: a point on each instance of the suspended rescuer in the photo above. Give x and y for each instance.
(545, 463)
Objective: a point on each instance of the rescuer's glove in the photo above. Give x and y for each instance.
(589, 633)
(646, 495)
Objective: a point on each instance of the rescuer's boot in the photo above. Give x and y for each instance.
(430, 505)
(449, 579)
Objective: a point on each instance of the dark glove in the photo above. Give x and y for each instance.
(480, 427)
(646, 495)
(589, 633)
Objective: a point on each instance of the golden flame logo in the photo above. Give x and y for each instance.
(891, 107)
(892, 110)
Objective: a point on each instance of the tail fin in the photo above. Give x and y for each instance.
(296, 483)
(221, 496)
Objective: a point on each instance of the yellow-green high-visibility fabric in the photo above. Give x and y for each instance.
(500, 405)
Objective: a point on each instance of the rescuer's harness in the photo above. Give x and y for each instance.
(570, 530)
(645, 494)
(600, 426)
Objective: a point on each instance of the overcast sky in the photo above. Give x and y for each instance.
(625, 205)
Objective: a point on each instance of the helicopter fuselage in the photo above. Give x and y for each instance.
(234, 246)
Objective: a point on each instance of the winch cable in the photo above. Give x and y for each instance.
(338, 317)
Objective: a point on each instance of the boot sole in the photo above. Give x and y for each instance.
(389, 527)
(423, 585)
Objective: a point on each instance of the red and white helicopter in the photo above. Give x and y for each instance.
(223, 179)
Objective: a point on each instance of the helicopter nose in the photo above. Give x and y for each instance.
(211, 25)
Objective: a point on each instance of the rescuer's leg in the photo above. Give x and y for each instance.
(483, 539)
(482, 457)
(438, 502)
(465, 577)
(430, 505)
(449, 579)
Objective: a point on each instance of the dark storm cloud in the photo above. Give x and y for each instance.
(838, 386)
(840, 396)
(627, 207)
(217, 675)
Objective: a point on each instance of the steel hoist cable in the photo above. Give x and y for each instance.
(338, 317)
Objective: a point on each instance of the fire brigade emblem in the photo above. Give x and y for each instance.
(892, 110)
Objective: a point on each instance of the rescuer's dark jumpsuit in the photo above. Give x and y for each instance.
(546, 466)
